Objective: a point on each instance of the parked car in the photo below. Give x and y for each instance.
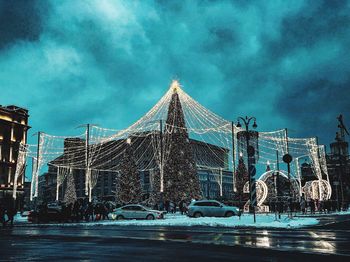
(136, 212)
(211, 208)
(49, 215)
(26, 213)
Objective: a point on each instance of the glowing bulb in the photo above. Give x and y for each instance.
(175, 85)
(240, 154)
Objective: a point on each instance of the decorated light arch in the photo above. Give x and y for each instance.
(100, 150)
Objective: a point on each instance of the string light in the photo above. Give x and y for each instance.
(107, 146)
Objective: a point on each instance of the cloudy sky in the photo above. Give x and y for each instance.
(108, 62)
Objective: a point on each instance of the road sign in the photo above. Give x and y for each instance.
(287, 158)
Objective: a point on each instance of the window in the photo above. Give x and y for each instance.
(207, 204)
(133, 208)
(202, 204)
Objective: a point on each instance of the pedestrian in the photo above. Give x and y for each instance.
(89, 212)
(312, 206)
(75, 211)
(104, 211)
(167, 206)
(171, 207)
(183, 208)
(2, 214)
(11, 212)
(302, 205)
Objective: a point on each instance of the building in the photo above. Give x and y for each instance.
(338, 165)
(307, 173)
(216, 181)
(13, 131)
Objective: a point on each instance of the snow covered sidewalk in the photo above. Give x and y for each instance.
(177, 220)
(246, 220)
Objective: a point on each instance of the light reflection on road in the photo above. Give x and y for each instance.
(322, 241)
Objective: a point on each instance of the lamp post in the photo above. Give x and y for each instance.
(250, 155)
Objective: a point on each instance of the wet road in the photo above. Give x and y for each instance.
(133, 243)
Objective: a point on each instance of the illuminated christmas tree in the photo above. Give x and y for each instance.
(70, 195)
(181, 181)
(241, 179)
(128, 181)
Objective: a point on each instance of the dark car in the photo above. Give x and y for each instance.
(45, 215)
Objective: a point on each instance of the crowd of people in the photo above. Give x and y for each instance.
(171, 207)
(309, 206)
(80, 210)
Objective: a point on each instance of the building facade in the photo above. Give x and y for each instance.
(338, 165)
(13, 131)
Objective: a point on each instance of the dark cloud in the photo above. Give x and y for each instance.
(19, 20)
(108, 62)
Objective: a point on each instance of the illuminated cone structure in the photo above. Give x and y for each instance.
(70, 195)
(181, 181)
(128, 189)
(241, 179)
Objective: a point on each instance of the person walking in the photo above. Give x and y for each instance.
(302, 205)
(312, 206)
(2, 214)
(11, 212)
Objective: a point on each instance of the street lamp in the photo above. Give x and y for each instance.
(250, 154)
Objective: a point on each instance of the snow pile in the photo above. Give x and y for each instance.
(262, 221)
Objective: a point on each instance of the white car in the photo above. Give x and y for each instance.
(136, 212)
(211, 208)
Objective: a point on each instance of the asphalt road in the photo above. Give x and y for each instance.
(134, 243)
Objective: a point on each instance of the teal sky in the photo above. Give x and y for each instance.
(108, 62)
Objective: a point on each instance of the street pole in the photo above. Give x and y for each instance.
(318, 160)
(233, 158)
(161, 162)
(249, 171)
(87, 171)
(277, 180)
(251, 168)
(341, 181)
(208, 185)
(289, 180)
(36, 172)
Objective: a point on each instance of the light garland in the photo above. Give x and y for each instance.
(107, 145)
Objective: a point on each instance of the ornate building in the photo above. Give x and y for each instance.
(338, 165)
(13, 131)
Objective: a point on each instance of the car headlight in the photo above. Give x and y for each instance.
(113, 216)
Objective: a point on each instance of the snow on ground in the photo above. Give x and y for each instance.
(177, 220)
(246, 220)
(340, 213)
